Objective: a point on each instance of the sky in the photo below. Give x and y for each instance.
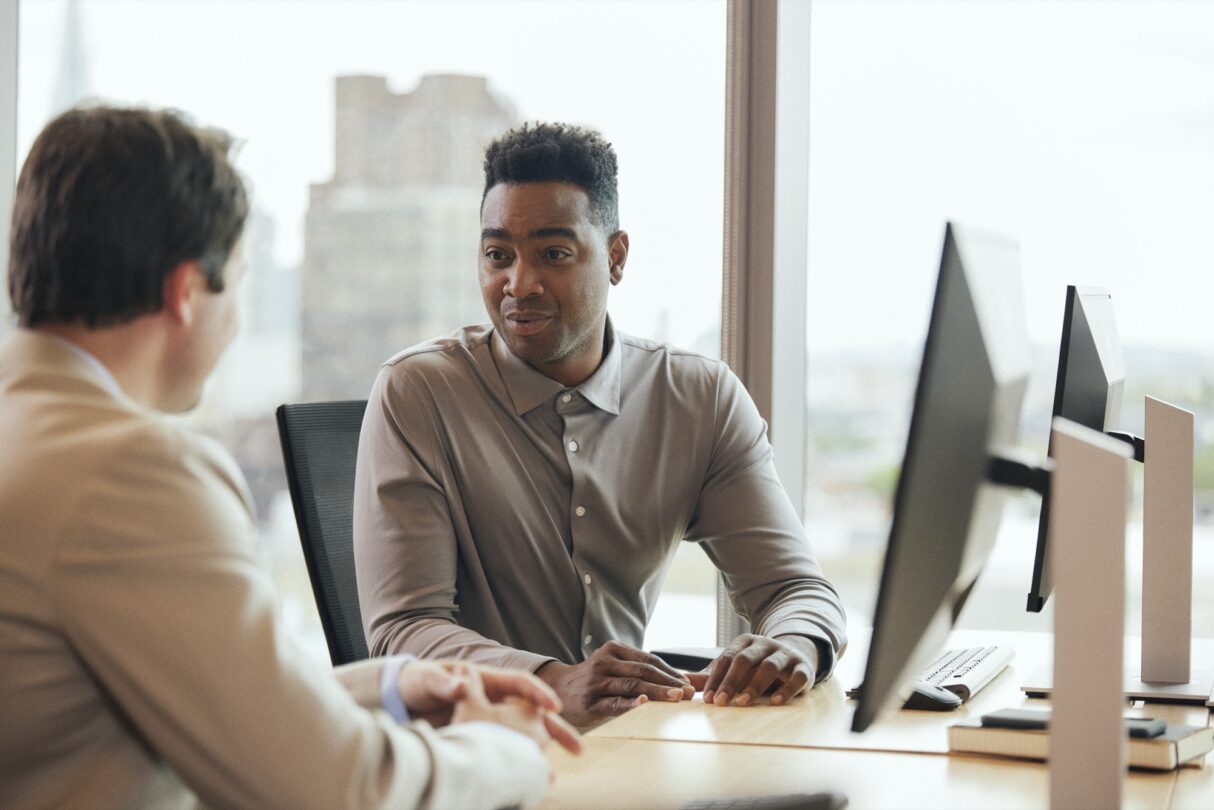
(649, 75)
(1084, 129)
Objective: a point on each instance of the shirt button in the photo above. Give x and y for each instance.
(587, 640)
(572, 447)
(586, 578)
(567, 398)
(580, 511)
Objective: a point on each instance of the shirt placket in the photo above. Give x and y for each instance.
(577, 420)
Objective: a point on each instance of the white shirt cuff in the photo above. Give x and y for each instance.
(389, 687)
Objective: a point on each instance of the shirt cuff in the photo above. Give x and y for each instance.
(827, 657)
(389, 687)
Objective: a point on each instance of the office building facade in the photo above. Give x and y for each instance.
(390, 240)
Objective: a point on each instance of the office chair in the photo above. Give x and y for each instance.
(319, 449)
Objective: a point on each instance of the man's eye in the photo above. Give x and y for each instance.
(555, 254)
(495, 255)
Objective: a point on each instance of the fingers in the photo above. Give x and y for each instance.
(473, 686)
(718, 669)
(615, 705)
(630, 662)
(500, 684)
(752, 666)
(756, 682)
(795, 685)
(628, 653)
(426, 687)
(629, 678)
(739, 673)
(616, 669)
(564, 734)
(699, 680)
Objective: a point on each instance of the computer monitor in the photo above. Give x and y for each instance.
(972, 381)
(1088, 390)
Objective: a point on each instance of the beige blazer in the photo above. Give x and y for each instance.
(141, 661)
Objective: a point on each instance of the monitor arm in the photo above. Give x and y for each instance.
(1014, 468)
(1137, 442)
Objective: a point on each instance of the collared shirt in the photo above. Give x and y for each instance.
(502, 517)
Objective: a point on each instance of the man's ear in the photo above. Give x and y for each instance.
(181, 288)
(617, 254)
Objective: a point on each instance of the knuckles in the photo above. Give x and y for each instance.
(610, 648)
(768, 668)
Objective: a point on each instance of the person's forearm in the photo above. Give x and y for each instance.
(437, 638)
(361, 680)
(809, 609)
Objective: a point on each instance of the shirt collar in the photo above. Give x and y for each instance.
(528, 388)
(602, 390)
(107, 378)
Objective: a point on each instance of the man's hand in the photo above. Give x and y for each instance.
(541, 723)
(614, 679)
(752, 665)
(442, 692)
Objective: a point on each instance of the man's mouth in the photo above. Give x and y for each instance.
(525, 324)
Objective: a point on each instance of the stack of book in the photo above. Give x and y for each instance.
(1177, 744)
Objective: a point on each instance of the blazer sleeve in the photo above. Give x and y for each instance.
(159, 591)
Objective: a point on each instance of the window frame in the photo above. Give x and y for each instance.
(765, 213)
(766, 244)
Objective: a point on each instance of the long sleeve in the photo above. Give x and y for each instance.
(159, 592)
(751, 532)
(405, 544)
(497, 511)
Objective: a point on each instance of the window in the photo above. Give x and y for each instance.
(1081, 129)
(363, 125)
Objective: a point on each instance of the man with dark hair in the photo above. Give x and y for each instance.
(143, 663)
(522, 487)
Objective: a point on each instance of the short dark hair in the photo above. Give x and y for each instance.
(543, 153)
(109, 201)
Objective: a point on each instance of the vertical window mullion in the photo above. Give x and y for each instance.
(765, 242)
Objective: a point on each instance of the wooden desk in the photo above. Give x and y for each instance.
(666, 754)
(622, 774)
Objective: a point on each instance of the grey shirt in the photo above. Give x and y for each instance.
(502, 517)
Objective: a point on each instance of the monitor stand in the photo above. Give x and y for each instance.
(1087, 523)
(1167, 545)
(1164, 674)
(1040, 684)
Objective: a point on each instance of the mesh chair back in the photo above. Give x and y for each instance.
(319, 449)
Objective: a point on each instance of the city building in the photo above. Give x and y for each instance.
(390, 241)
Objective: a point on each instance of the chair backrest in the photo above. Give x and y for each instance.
(319, 449)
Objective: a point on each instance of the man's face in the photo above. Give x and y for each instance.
(216, 317)
(545, 269)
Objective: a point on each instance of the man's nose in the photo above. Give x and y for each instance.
(523, 279)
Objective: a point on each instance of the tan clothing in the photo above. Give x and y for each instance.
(141, 663)
(502, 517)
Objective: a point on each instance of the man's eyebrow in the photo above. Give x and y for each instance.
(538, 233)
(556, 230)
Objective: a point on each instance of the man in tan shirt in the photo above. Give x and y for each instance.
(141, 660)
(522, 486)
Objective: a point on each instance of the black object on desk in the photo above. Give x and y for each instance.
(827, 800)
(929, 697)
(688, 659)
(1145, 727)
(923, 697)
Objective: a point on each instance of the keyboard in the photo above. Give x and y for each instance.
(965, 671)
(962, 671)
